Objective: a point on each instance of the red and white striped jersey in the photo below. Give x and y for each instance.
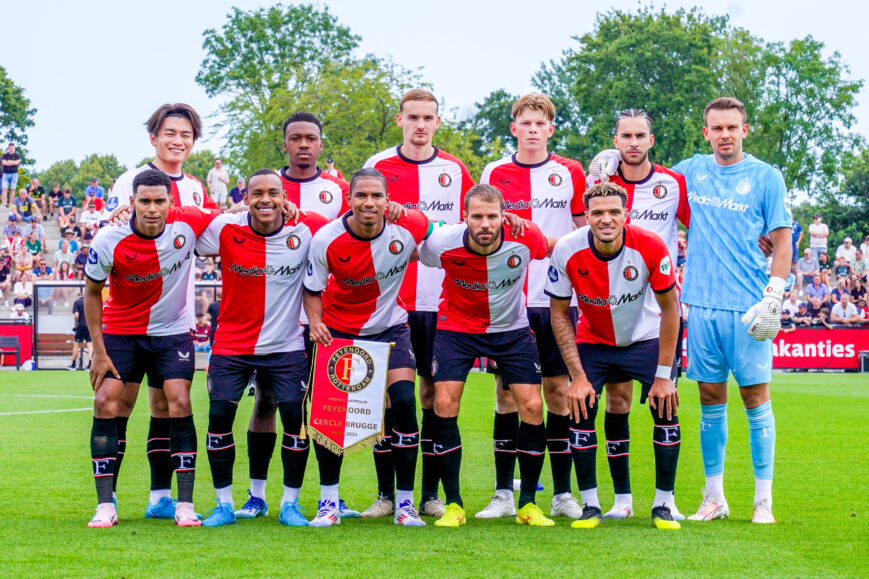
(437, 187)
(655, 203)
(262, 282)
(611, 290)
(149, 277)
(482, 293)
(186, 190)
(323, 193)
(361, 294)
(547, 193)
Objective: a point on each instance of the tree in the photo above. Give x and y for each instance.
(59, 172)
(491, 122)
(16, 115)
(106, 168)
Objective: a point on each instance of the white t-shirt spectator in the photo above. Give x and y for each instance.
(60, 257)
(818, 233)
(843, 313)
(217, 180)
(791, 308)
(19, 316)
(849, 253)
(23, 288)
(90, 218)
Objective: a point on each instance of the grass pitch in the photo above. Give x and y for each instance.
(822, 469)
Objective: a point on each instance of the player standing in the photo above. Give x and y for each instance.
(311, 189)
(360, 262)
(611, 266)
(425, 178)
(656, 198)
(145, 325)
(547, 190)
(262, 297)
(483, 314)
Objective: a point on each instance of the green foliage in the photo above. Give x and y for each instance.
(16, 115)
(490, 124)
(200, 162)
(106, 168)
(844, 209)
(60, 172)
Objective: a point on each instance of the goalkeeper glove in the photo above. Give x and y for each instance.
(604, 164)
(764, 318)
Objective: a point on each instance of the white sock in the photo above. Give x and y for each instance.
(329, 493)
(762, 490)
(224, 495)
(114, 495)
(258, 488)
(589, 497)
(291, 495)
(624, 500)
(504, 494)
(663, 498)
(561, 497)
(159, 494)
(401, 496)
(715, 486)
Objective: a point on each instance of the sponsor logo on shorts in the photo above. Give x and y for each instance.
(93, 258)
(396, 247)
(326, 197)
(209, 384)
(631, 273)
(179, 242)
(659, 192)
(350, 369)
(553, 274)
(434, 367)
(514, 261)
(294, 241)
(183, 356)
(444, 180)
(554, 179)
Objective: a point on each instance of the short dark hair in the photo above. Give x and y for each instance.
(725, 104)
(367, 173)
(633, 114)
(185, 111)
(606, 189)
(259, 172)
(152, 178)
(301, 117)
(486, 193)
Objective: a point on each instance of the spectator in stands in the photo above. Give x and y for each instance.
(69, 238)
(25, 208)
(807, 267)
(858, 291)
(217, 180)
(94, 189)
(12, 226)
(41, 268)
(66, 209)
(822, 319)
(803, 317)
(825, 266)
(845, 312)
(37, 227)
(208, 273)
(37, 192)
(33, 245)
(331, 169)
(6, 268)
(790, 308)
(818, 234)
(63, 254)
(842, 270)
(817, 292)
(847, 250)
(23, 259)
(81, 259)
(860, 267)
(63, 272)
(200, 334)
(18, 314)
(44, 294)
(16, 242)
(682, 248)
(23, 289)
(838, 291)
(863, 310)
(90, 217)
(10, 163)
(236, 196)
(53, 196)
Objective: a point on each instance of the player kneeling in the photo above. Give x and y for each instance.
(612, 266)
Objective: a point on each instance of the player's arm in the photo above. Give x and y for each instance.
(516, 224)
(580, 394)
(764, 318)
(313, 303)
(663, 396)
(93, 310)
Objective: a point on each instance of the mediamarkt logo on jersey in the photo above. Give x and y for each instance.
(487, 285)
(717, 202)
(374, 278)
(436, 205)
(163, 272)
(649, 215)
(267, 270)
(613, 300)
(545, 203)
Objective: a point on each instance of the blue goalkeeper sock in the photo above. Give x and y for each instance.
(713, 437)
(761, 438)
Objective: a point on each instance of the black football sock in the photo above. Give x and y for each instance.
(667, 440)
(530, 452)
(220, 443)
(557, 437)
(329, 464)
(158, 454)
(583, 447)
(121, 421)
(260, 447)
(104, 453)
(618, 445)
(505, 431)
(294, 449)
(448, 443)
(383, 463)
(430, 472)
(182, 447)
(405, 433)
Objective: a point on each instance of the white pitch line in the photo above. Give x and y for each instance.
(45, 411)
(47, 396)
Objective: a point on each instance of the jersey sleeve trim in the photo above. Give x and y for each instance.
(552, 295)
(663, 291)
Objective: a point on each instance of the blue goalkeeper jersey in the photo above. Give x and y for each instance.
(730, 207)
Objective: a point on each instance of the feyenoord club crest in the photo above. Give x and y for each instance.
(444, 180)
(659, 192)
(396, 247)
(179, 242)
(434, 367)
(197, 198)
(631, 273)
(514, 261)
(325, 197)
(350, 369)
(555, 179)
(293, 241)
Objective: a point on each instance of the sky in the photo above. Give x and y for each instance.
(95, 70)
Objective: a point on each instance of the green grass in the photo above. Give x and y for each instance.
(822, 469)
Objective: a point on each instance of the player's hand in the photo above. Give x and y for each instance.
(320, 334)
(121, 215)
(516, 224)
(764, 318)
(764, 243)
(664, 397)
(395, 211)
(101, 364)
(604, 165)
(290, 212)
(580, 398)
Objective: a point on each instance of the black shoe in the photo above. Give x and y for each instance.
(662, 518)
(71, 367)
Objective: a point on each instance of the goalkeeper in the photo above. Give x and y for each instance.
(735, 306)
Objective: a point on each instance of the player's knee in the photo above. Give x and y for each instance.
(264, 408)
(402, 396)
(504, 401)
(555, 394)
(446, 405)
(426, 393)
(531, 410)
(618, 401)
(221, 415)
(105, 406)
(291, 416)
